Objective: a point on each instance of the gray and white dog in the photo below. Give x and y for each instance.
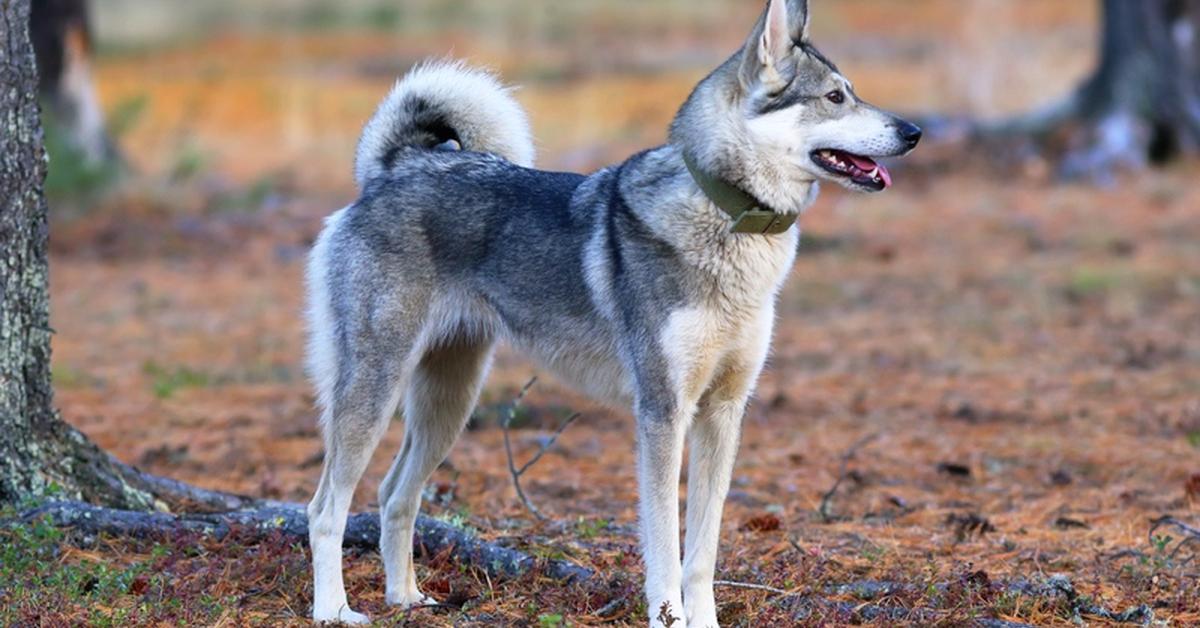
(650, 284)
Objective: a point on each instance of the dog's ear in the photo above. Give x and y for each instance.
(798, 19)
(765, 58)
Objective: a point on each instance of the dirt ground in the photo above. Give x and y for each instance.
(1003, 369)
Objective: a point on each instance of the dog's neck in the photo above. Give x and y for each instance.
(709, 131)
(749, 215)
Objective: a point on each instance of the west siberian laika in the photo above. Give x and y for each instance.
(651, 284)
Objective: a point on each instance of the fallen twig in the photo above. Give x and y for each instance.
(545, 446)
(827, 498)
(752, 587)
(1190, 534)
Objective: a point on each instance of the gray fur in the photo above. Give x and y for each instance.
(626, 283)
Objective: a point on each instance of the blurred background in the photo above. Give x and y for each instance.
(1022, 346)
(252, 88)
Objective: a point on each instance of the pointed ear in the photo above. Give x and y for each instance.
(798, 19)
(776, 40)
(769, 46)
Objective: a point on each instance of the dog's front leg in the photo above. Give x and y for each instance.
(712, 449)
(661, 428)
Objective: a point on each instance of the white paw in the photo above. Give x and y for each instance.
(702, 615)
(342, 616)
(410, 599)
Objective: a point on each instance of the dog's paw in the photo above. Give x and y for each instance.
(410, 599)
(342, 616)
(702, 615)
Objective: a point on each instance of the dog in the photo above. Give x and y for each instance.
(649, 285)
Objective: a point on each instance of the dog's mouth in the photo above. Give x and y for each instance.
(860, 170)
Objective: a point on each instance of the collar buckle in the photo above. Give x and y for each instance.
(762, 222)
(747, 213)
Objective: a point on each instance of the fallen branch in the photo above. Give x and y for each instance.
(362, 531)
(545, 446)
(827, 498)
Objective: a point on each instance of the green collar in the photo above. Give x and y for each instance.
(748, 213)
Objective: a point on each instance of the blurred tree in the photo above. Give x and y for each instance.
(1144, 98)
(38, 450)
(1142, 104)
(62, 41)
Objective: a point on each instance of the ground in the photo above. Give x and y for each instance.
(1003, 370)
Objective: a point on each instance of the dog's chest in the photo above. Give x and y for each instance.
(743, 275)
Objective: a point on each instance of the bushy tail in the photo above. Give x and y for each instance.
(439, 101)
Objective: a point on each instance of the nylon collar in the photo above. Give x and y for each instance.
(749, 215)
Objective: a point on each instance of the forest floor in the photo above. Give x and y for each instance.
(999, 372)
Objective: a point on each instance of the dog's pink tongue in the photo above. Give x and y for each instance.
(866, 164)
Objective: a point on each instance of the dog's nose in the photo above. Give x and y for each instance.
(909, 132)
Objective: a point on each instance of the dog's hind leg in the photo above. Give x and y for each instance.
(357, 416)
(442, 392)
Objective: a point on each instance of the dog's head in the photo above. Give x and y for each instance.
(798, 117)
(802, 110)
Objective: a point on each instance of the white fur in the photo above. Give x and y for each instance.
(867, 132)
(482, 110)
(321, 356)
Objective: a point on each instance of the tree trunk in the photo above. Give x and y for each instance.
(1142, 105)
(62, 42)
(38, 450)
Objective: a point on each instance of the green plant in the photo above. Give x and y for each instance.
(589, 529)
(166, 382)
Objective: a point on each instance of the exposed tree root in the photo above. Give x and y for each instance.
(864, 601)
(362, 531)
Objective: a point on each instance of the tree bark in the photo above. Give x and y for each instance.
(38, 450)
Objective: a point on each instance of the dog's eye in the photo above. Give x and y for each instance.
(836, 97)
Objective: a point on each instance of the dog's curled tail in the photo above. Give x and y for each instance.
(438, 102)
